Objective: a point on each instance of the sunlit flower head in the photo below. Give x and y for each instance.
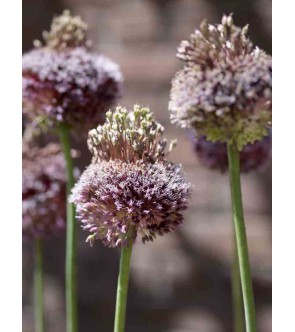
(130, 190)
(118, 201)
(224, 89)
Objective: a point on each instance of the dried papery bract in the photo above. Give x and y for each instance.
(63, 82)
(43, 191)
(224, 89)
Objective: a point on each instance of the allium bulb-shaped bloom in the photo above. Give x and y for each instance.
(43, 191)
(64, 82)
(130, 189)
(114, 198)
(224, 89)
(213, 155)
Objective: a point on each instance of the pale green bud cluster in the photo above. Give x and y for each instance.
(129, 136)
(66, 32)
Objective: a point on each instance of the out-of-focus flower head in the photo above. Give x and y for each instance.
(224, 89)
(130, 189)
(43, 191)
(64, 82)
(66, 32)
(213, 155)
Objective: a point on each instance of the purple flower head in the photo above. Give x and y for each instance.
(115, 198)
(64, 82)
(130, 189)
(224, 89)
(43, 191)
(213, 155)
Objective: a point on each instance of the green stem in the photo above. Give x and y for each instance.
(241, 237)
(122, 289)
(237, 298)
(38, 287)
(71, 284)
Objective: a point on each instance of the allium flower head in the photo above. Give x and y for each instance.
(43, 191)
(224, 89)
(130, 189)
(213, 155)
(116, 198)
(64, 82)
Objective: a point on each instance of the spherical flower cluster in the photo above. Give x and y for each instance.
(43, 191)
(130, 189)
(224, 89)
(213, 155)
(64, 82)
(116, 201)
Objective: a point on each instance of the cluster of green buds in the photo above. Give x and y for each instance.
(129, 136)
(66, 31)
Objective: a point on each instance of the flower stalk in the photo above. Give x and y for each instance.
(122, 288)
(237, 296)
(241, 237)
(71, 251)
(38, 287)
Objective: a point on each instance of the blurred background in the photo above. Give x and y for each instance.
(181, 282)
